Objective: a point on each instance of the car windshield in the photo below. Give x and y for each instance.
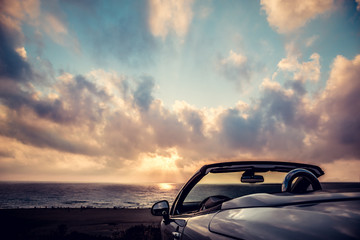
(229, 184)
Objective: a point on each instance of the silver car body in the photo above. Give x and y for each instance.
(321, 214)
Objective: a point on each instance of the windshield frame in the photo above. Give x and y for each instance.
(257, 166)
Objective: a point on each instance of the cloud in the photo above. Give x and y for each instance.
(279, 103)
(78, 98)
(358, 5)
(302, 71)
(99, 123)
(12, 63)
(40, 19)
(325, 128)
(239, 132)
(13, 13)
(235, 68)
(55, 25)
(51, 121)
(143, 93)
(339, 106)
(53, 22)
(16, 74)
(194, 120)
(27, 162)
(124, 137)
(170, 16)
(57, 30)
(6, 154)
(43, 137)
(103, 122)
(22, 52)
(287, 16)
(94, 118)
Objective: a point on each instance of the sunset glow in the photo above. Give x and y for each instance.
(150, 90)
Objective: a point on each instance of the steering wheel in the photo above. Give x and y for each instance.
(303, 180)
(212, 201)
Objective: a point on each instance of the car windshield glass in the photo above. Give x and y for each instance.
(229, 184)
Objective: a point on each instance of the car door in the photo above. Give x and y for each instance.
(173, 228)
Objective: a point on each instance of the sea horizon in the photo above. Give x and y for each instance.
(45, 194)
(39, 194)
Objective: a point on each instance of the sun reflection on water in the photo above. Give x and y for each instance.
(165, 186)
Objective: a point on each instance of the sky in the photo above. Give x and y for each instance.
(151, 90)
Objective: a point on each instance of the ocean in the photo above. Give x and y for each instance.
(86, 195)
(112, 195)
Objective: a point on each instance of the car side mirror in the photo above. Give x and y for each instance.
(161, 209)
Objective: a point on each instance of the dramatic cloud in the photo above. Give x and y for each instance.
(86, 119)
(287, 16)
(60, 121)
(328, 125)
(287, 118)
(170, 16)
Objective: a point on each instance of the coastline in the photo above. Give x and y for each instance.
(60, 223)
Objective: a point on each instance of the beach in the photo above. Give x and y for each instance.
(78, 223)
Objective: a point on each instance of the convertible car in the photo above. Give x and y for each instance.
(260, 200)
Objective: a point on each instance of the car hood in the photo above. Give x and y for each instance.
(329, 218)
